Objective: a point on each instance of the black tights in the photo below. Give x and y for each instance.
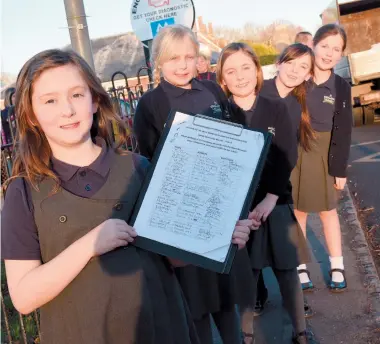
(292, 295)
(227, 323)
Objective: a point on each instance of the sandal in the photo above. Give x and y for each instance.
(308, 286)
(304, 337)
(337, 287)
(250, 336)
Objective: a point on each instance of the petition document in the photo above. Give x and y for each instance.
(199, 185)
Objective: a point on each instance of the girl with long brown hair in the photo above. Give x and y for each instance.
(278, 242)
(66, 241)
(295, 66)
(322, 169)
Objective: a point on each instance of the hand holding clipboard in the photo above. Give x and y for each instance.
(205, 172)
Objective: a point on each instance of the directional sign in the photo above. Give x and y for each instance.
(149, 16)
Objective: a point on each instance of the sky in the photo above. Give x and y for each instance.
(30, 26)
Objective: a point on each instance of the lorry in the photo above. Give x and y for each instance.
(361, 64)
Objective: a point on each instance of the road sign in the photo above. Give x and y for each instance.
(149, 16)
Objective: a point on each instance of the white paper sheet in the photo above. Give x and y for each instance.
(199, 185)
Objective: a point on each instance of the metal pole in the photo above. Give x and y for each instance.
(78, 29)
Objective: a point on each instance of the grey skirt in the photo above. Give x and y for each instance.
(313, 187)
(279, 242)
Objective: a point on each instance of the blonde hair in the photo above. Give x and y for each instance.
(162, 48)
(231, 49)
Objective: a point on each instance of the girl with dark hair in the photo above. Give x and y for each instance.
(174, 52)
(66, 242)
(278, 242)
(321, 170)
(8, 116)
(295, 65)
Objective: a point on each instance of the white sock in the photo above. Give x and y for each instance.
(337, 263)
(304, 278)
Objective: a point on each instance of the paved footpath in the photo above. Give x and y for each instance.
(352, 317)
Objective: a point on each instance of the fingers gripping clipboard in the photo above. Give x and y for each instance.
(203, 179)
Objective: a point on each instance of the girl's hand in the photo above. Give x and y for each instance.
(109, 235)
(240, 235)
(340, 183)
(264, 208)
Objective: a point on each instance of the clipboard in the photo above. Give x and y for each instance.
(178, 253)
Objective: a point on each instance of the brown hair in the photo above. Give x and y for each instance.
(8, 93)
(231, 49)
(306, 132)
(162, 49)
(33, 152)
(301, 37)
(330, 30)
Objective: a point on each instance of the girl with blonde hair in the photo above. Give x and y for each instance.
(175, 52)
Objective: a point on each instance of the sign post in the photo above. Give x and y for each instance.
(148, 17)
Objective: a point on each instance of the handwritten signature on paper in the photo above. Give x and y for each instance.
(197, 192)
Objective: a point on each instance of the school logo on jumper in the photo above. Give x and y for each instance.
(216, 109)
(272, 130)
(158, 25)
(329, 99)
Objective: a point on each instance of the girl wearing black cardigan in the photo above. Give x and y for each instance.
(295, 66)
(321, 171)
(279, 242)
(174, 53)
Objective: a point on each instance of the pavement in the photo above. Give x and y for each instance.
(364, 182)
(353, 316)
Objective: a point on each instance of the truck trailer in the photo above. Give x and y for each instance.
(361, 64)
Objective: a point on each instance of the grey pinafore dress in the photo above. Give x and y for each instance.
(122, 297)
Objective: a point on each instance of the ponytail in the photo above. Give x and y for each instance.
(306, 132)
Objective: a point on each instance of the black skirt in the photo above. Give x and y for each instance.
(279, 242)
(209, 292)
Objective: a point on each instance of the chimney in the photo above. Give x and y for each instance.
(210, 29)
(200, 22)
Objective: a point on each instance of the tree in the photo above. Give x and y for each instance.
(267, 54)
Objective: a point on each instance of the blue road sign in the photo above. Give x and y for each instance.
(158, 25)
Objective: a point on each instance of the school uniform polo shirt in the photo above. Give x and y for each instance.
(198, 99)
(19, 235)
(321, 104)
(269, 90)
(248, 114)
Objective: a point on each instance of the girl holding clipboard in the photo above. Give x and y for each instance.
(65, 239)
(279, 242)
(174, 53)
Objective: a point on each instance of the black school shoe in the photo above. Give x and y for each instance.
(337, 287)
(308, 311)
(259, 307)
(308, 286)
(304, 337)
